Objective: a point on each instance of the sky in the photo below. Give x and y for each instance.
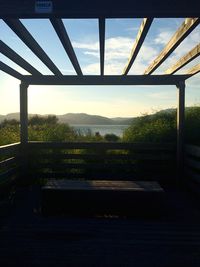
(110, 101)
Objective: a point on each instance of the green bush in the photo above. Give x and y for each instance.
(161, 127)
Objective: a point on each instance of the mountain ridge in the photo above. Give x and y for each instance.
(77, 119)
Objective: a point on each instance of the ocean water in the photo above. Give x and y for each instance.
(102, 129)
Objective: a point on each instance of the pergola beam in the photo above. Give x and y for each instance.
(28, 39)
(105, 80)
(12, 55)
(185, 29)
(7, 69)
(64, 38)
(194, 70)
(102, 44)
(143, 30)
(105, 8)
(191, 55)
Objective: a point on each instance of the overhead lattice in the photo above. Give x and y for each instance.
(12, 19)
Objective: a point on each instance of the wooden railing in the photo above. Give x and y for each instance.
(101, 160)
(96, 161)
(9, 164)
(192, 166)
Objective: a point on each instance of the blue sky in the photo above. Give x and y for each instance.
(108, 101)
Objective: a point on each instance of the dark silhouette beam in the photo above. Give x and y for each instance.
(7, 69)
(12, 55)
(28, 39)
(105, 80)
(102, 44)
(64, 38)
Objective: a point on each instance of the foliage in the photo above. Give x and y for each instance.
(161, 127)
(41, 120)
(111, 138)
(41, 128)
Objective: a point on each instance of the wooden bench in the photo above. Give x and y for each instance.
(102, 197)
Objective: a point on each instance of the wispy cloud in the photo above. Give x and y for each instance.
(88, 46)
(163, 37)
(118, 49)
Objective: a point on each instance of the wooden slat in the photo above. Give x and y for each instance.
(142, 156)
(102, 44)
(102, 145)
(7, 162)
(8, 149)
(64, 38)
(193, 150)
(11, 54)
(28, 39)
(192, 54)
(105, 80)
(194, 70)
(186, 28)
(144, 28)
(7, 69)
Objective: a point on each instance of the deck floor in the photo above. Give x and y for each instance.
(29, 239)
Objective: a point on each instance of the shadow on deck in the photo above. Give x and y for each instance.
(29, 239)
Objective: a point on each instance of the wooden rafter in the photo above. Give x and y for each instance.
(28, 39)
(12, 55)
(185, 29)
(144, 28)
(102, 43)
(105, 80)
(194, 70)
(192, 54)
(64, 38)
(7, 69)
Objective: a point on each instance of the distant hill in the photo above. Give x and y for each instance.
(82, 118)
(78, 118)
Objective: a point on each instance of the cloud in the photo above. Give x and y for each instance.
(88, 46)
(118, 49)
(163, 37)
(91, 53)
(91, 69)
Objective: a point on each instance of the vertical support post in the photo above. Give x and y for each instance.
(180, 129)
(23, 113)
(23, 129)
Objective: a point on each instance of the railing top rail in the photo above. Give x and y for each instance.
(10, 145)
(8, 148)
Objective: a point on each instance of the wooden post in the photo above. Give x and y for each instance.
(23, 130)
(180, 129)
(23, 113)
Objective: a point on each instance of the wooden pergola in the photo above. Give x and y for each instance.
(12, 11)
